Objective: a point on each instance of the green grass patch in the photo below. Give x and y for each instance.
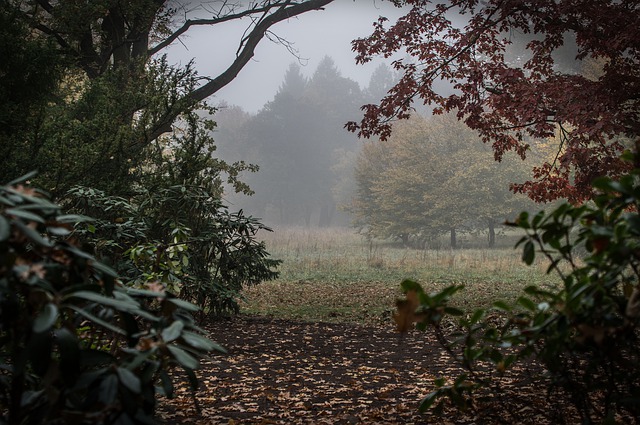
(336, 275)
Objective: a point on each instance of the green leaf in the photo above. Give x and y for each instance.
(74, 218)
(123, 305)
(453, 311)
(201, 343)
(528, 253)
(142, 357)
(501, 305)
(5, 229)
(184, 358)
(185, 305)
(58, 231)
(527, 303)
(143, 292)
(26, 215)
(167, 386)
(173, 331)
(23, 178)
(104, 269)
(33, 235)
(108, 390)
(129, 380)
(69, 354)
(95, 319)
(410, 285)
(523, 220)
(91, 358)
(193, 381)
(46, 318)
(477, 315)
(537, 219)
(39, 350)
(428, 401)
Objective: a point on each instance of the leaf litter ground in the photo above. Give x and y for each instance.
(287, 372)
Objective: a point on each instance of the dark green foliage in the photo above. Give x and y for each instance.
(175, 230)
(584, 333)
(183, 238)
(77, 343)
(30, 70)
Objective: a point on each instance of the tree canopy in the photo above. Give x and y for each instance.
(299, 143)
(507, 97)
(432, 177)
(112, 92)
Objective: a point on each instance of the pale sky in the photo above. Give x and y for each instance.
(314, 34)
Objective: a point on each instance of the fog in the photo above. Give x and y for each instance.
(286, 111)
(313, 35)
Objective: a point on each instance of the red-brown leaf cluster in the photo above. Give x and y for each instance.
(514, 100)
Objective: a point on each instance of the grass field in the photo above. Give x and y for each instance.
(337, 275)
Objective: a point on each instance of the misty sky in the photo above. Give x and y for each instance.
(314, 34)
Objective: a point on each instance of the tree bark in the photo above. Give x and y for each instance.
(327, 210)
(492, 234)
(307, 215)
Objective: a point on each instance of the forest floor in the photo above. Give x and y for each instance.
(287, 372)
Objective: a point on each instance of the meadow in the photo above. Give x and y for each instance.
(337, 275)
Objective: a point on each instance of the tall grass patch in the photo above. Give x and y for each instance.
(338, 275)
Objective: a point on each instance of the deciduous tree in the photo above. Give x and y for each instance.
(432, 177)
(465, 43)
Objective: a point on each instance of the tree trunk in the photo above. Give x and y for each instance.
(454, 242)
(492, 234)
(324, 219)
(327, 210)
(307, 215)
(281, 211)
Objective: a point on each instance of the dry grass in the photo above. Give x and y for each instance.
(337, 275)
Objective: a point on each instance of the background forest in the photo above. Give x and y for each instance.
(434, 175)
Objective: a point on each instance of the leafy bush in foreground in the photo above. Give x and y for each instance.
(76, 345)
(174, 229)
(584, 333)
(183, 238)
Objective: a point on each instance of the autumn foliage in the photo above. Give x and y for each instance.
(517, 71)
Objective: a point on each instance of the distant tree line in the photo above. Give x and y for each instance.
(434, 176)
(305, 156)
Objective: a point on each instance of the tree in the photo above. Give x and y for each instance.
(465, 43)
(391, 185)
(382, 79)
(432, 177)
(118, 95)
(296, 139)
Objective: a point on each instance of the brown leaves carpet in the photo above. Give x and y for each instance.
(286, 372)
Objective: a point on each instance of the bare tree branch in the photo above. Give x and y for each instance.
(251, 41)
(214, 21)
(46, 6)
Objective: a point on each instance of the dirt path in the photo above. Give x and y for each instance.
(284, 372)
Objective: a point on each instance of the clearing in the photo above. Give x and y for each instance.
(287, 372)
